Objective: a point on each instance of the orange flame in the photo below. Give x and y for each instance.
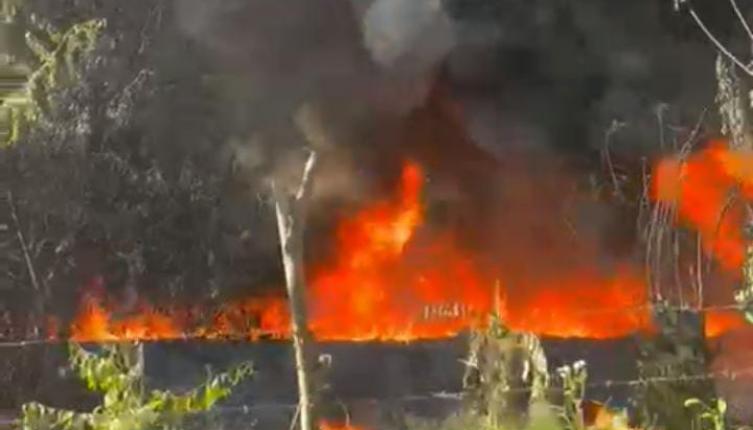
(382, 280)
(719, 322)
(584, 304)
(95, 323)
(702, 187)
(389, 281)
(327, 425)
(708, 189)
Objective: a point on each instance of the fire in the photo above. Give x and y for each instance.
(382, 278)
(327, 425)
(250, 319)
(703, 187)
(95, 323)
(584, 304)
(720, 322)
(710, 190)
(393, 279)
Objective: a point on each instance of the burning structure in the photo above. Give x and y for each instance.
(462, 171)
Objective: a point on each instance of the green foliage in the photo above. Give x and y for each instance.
(57, 54)
(573, 383)
(506, 370)
(712, 417)
(744, 295)
(509, 386)
(672, 366)
(117, 373)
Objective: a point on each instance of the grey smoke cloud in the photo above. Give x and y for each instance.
(418, 32)
(346, 59)
(407, 40)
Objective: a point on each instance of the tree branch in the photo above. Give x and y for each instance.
(742, 19)
(25, 249)
(717, 43)
(305, 185)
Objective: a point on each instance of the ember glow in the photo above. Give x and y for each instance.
(391, 278)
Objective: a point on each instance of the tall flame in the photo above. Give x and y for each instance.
(391, 280)
(382, 279)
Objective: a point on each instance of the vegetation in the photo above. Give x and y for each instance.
(509, 387)
(56, 56)
(117, 373)
(124, 163)
(550, 402)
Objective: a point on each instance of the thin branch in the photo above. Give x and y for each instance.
(613, 128)
(691, 140)
(742, 19)
(699, 270)
(306, 179)
(24, 244)
(660, 109)
(717, 43)
(294, 421)
(728, 204)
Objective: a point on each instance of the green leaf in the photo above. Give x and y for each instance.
(721, 406)
(37, 47)
(748, 316)
(692, 402)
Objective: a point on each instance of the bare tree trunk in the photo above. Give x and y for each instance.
(290, 223)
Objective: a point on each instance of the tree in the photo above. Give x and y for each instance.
(120, 177)
(25, 98)
(733, 99)
(291, 217)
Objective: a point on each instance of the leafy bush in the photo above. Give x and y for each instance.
(117, 373)
(509, 387)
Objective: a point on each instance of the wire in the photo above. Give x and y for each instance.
(29, 342)
(259, 334)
